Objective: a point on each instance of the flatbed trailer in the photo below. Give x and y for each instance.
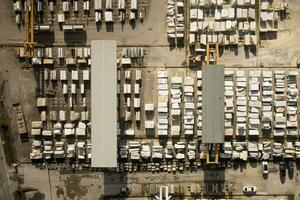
(21, 124)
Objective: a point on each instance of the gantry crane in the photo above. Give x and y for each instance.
(29, 28)
(212, 56)
(212, 53)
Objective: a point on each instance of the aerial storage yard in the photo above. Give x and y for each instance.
(149, 99)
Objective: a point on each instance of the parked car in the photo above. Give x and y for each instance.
(282, 168)
(124, 190)
(291, 169)
(250, 189)
(265, 167)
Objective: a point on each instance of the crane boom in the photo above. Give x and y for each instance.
(29, 29)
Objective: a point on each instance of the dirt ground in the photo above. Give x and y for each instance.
(282, 51)
(60, 185)
(6, 186)
(19, 86)
(89, 185)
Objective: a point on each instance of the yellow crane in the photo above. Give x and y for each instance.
(212, 53)
(29, 28)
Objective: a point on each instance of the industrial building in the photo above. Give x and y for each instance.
(104, 103)
(213, 104)
(213, 110)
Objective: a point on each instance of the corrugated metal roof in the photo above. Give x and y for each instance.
(104, 103)
(213, 103)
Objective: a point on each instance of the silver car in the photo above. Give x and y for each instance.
(249, 189)
(265, 167)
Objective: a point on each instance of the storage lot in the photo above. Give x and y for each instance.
(176, 152)
(256, 128)
(181, 154)
(53, 15)
(63, 100)
(244, 135)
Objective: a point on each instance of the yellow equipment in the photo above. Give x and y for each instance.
(29, 28)
(195, 61)
(212, 53)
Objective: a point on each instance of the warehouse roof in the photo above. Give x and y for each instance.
(213, 103)
(104, 103)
